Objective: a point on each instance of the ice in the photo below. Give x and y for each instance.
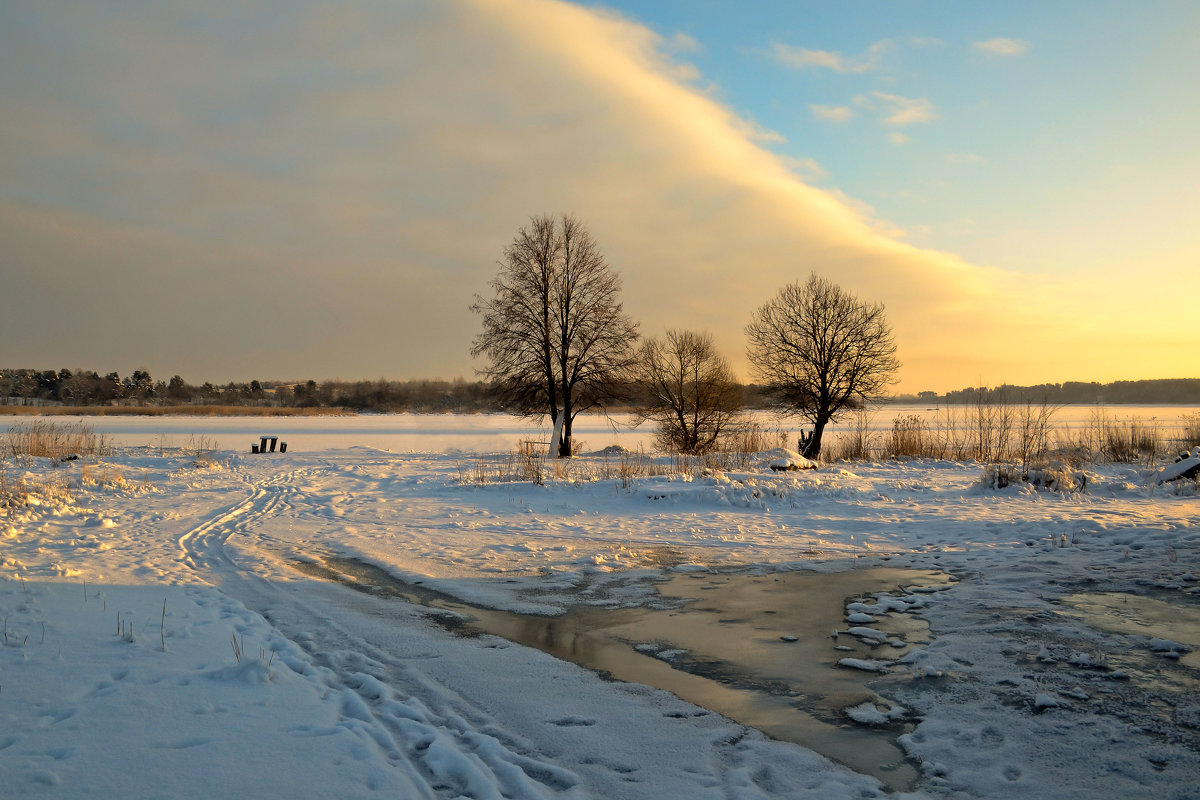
(873, 634)
(865, 664)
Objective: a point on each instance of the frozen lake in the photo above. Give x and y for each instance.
(437, 433)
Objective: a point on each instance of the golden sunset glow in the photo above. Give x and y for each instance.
(365, 168)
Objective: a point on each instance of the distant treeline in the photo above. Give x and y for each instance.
(1172, 391)
(87, 388)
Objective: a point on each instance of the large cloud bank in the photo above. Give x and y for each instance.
(317, 191)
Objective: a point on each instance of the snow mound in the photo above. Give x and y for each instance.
(1186, 466)
(784, 460)
(870, 714)
(1045, 700)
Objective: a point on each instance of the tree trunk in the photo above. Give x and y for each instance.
(564, 445)
(813, 450)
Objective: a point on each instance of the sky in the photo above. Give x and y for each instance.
(293, 190)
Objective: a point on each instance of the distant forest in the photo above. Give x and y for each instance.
(65, 387)
(1171, 391)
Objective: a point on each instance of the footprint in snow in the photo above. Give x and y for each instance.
(573, 722)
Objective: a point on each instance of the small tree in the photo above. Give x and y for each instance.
(692, 394)
(555, 336)
(177, 389)
(819, 350)
(139, 385)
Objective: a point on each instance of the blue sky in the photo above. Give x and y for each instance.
(1087, 119)
(300, 190)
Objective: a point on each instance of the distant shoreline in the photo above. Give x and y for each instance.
(335, 411)
(172, 411)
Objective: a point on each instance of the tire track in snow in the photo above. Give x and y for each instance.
(444, 749)
(204, 545)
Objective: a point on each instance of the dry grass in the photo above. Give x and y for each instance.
(989, 431)
(1056, 478)
(16, 492)
(1190, 431)
(526, 463)
(750, 437)
(104, 476)
(910, 438)
(1116, 440)
(13, 492)
(857, 444)
(42, 438)
(161, 411)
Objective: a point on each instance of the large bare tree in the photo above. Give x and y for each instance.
(554, 334)
(690, 390)
(820, 350)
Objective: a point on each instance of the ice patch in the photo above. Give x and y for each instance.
(865, 664)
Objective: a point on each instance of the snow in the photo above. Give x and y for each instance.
(783, 459)
(158, 641)
(1188, 464)
(870, 714)
(865, 664)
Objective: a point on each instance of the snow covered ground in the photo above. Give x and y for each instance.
(159, 641)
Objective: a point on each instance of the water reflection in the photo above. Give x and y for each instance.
(756, 648)
(1145, 616)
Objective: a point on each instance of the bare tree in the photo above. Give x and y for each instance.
(820, 350)
(554, 334)
(692, 394)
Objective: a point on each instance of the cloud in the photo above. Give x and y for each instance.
(802, 58)
(897, 138)
(680, 42)
(898, 110)
(807, 168)
(307, 191)
(1002, 47)
(755, 132)
(832, 113)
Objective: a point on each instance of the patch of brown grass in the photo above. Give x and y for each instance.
(42, 438)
